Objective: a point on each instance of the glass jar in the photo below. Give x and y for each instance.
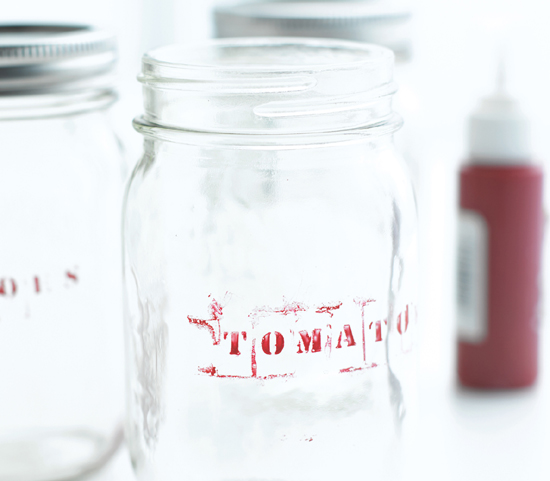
(269, 264)
(60, 286)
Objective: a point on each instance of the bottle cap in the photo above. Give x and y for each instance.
(382, 22)
(499, 132)
(38, 59)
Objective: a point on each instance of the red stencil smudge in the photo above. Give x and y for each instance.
(286, 309)
(328, 309)
(212, 325)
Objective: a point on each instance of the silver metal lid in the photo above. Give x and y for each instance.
(43, 59)
(382, 22)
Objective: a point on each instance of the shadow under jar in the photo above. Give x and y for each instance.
(269, 264)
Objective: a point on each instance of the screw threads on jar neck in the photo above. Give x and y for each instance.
(268, 86)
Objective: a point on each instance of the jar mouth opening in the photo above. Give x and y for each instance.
(268, 85)
(263, 55)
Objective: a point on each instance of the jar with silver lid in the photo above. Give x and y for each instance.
(60, 299)
(269, 264)
(381, 22)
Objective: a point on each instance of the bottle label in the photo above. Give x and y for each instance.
(292, 338)
(472, 277)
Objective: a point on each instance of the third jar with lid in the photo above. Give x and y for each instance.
(269, 263)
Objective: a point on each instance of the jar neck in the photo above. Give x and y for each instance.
(21, 107)
(378, 136)
(272, 86)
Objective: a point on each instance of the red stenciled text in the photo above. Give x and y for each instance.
(281, 340)
(12, 288)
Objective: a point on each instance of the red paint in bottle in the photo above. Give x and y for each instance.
(509, 198)
(499, 251)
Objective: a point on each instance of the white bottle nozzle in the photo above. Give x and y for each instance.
(499, 133)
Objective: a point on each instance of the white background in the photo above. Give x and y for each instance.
(463, 435)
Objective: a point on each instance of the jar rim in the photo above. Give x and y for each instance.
(268, 85)
(349, 55)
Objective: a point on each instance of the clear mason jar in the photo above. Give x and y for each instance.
(60, 287)
(269, 264)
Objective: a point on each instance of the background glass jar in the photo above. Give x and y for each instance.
(269, 263)
(60, 297)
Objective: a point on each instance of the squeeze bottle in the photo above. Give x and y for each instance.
(499, 249)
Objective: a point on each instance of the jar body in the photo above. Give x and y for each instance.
(59, 295)
(270, 296)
